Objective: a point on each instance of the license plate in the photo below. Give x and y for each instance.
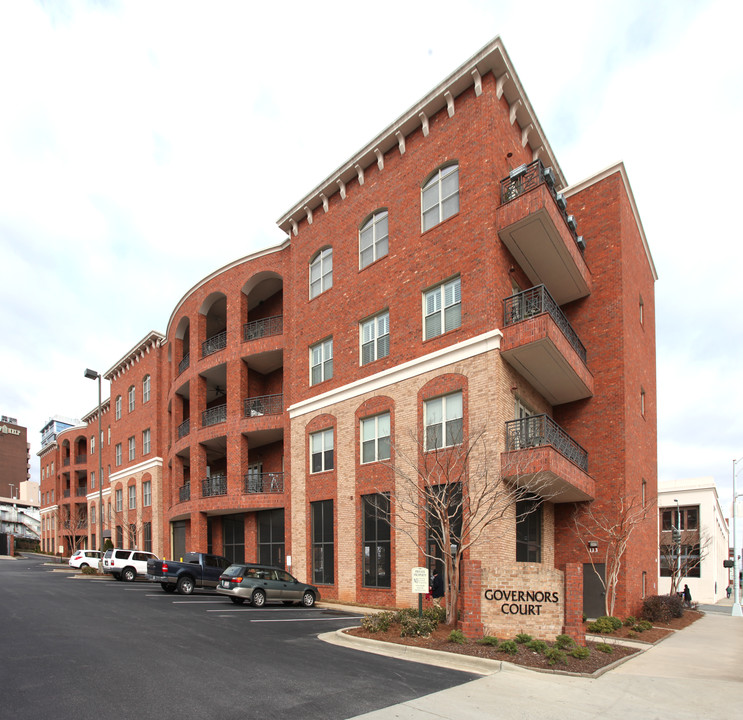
(225, 583)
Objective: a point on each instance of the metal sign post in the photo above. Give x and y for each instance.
(420, 586)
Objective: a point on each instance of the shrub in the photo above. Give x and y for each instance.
(538, 646)
(437, 614)
(605, 624)
(631, 635)
(509, 646)
(630, 620)
(555, 655)
(89, 571)
(615, 622)
(406, 613)
(564, 642)
(581, 653)
(643, 625)
(379, 622)
(662, 608)
(457, 636)
(416, 627)
(604, 648)
(522, 638)
(488, 640)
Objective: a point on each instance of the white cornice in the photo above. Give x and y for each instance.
(492, 58)
(156, 462)
(152, 340)
(602, 175)
(374, 383)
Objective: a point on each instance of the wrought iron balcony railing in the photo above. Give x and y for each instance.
(214, 416)
(184, 492)
(66, 493)
(66, 462)
(184, 428)
(535, 301)
(80, 459)
(264, 482)
(539, 430)
(183, 364)
(525, 178)
(81, 491)
(256, 329)
(264, 405)
(214, 343)
(214, 485)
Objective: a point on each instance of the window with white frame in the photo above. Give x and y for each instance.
(132, 448)
(132, 398)
(443, 418)
(375, 438)
(92, 444)
(132, 497)
(117, 453)
(321, 272)
(375, 337)
(442, 308)
(321, 451)
(147, 493)
(321, 361)
(92, 479)
(118, 407)
(145, 441)
(373, 238)
(146, 389)
(440, 196)
(119, 500)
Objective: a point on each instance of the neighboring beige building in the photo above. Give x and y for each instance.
(704, 534)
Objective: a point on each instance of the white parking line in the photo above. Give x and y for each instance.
(316, 619)
(198, 602)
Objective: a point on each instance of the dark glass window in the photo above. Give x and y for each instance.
(376, 509)
(271, 537)
(528, 531)
(147, 536)
(323, 543)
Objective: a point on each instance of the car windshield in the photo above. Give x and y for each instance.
(234, 570)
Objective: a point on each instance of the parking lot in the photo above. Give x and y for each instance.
(86, 647)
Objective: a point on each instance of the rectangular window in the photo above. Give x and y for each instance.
(146, 442)
(375, 338)
(321, 361)
(146, 389)
(92, 480)
(444, 421)
(376, 539)
(147, 493)
(132, 398)
(92, 444)
(147, 536)
(375, 438)
(321, 451)
(442, 308)
(118, 407)
(323, 543)
(132, 497)
(132, 448)
(118, 454)
(119, 500)
(132, 535)
(529, 531)
(119, 536)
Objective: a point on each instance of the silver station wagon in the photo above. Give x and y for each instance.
(259, 584)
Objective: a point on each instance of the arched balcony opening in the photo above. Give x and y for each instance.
(265, 306)
(214, 308)
(183, 340)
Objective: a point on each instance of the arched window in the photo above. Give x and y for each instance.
(440, 196)
(321, 272)
(132, 398)
(373, 238)
(146, 389)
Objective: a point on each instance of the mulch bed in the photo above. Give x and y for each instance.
(659, 631)
(438, 640)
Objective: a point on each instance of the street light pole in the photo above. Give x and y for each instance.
(736, 564)
(678, 545)
(93, 375)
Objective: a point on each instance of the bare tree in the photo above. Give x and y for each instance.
(72, 525)
(681, 559)
(446, 498)
(611, 527)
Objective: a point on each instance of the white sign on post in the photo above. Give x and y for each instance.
(420, 580)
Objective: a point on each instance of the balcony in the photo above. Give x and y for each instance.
(534, 225)
(214, 416)
(263, 483)
(542, 456)
(265, 327)
(81, 491)
(184, 428)
(214, 485)
(184, 363)
(541, 345)
(66, 462)
(81, 459)
(214, 344)
(184, 493)
(264, 405)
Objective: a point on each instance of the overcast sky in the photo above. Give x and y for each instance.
(145, 144)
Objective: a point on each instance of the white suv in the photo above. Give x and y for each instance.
(126, 564)
(85, 558)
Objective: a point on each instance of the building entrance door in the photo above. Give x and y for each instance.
(233, 532)
(594, 597)
(179, 539)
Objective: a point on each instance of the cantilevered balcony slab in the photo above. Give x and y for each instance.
(535, 230)
(541, 456)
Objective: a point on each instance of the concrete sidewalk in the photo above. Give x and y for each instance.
(695, 673)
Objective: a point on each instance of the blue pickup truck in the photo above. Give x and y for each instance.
(194, 570)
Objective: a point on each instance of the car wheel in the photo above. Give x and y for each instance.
(129, 574)
(308, 599)
(84, 565)
(237, 601)
(259, 598)
(185, 585)
(168, 587)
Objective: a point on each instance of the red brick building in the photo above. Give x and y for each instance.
(444, 282)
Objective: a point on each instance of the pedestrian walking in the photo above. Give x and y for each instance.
(437, 588)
